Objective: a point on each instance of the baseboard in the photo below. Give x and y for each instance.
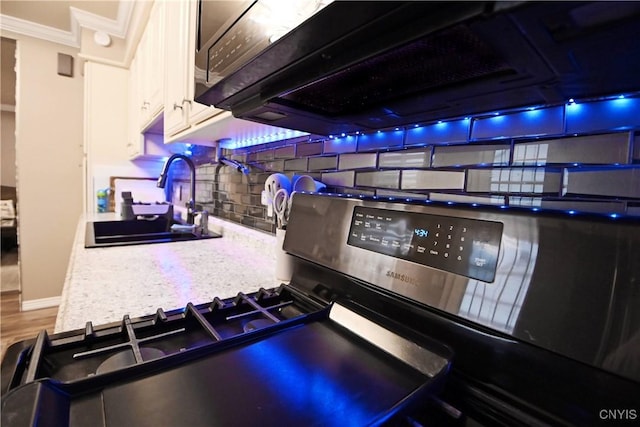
(36, 304)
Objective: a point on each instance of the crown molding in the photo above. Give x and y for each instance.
(39, 31)
(79, 19)
(116, 28)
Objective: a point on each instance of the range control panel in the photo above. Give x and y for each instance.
(468, 247)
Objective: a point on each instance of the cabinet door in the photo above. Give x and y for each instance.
(181, 112)
(198, 112)
(176, 108)
(142, 82)
(150, 69)
(134, 138)
(156, 59)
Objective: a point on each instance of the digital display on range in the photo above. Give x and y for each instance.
(468, 247)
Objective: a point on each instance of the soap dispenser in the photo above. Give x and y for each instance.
(126, 207)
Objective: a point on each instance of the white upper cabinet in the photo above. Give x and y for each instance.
(180, 111)
(162, 87)
(176, 114)
(151, 65)
(134, 126)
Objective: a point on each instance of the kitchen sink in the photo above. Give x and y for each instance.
(100, 234)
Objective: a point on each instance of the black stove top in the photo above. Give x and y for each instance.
(272, 357)
(98, 350)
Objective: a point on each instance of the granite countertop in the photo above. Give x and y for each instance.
(104, 284)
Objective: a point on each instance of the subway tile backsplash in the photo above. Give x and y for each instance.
(346, 144)
(358, 161)
(296, 165)
(445, 132)
(609, 182)
(339, 179)
(514, 181)
(306, 149)
(537, 121)
(380, 179)
(464, 155)
(286, 152)
(380, 140)
(593, 149)
(415, 158)
(432, 180)
(323, 163)
(551, 158)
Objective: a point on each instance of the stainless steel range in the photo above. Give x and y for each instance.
(398, 313)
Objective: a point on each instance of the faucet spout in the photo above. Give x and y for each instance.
(162, 181)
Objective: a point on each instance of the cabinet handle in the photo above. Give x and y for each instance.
(180, 106)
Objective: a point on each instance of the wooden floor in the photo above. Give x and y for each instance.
(16, 325)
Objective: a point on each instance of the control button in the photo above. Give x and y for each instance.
(447, 246)
(448, 236)
(462, 239)
(446, 255)
(432, 252)
(459, 258)
(461, 248)
(451, 228)
(437, 234)
(464, 229)
(421, 249)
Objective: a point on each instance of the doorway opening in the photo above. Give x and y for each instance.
(9, 266)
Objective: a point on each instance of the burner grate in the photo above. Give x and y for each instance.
(133, 342)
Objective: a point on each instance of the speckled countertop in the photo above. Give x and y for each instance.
(104, 284)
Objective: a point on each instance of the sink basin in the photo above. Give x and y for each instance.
(137, 232)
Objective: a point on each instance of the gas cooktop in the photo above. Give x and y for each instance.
(290, 359)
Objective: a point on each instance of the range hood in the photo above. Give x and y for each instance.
(357, 66)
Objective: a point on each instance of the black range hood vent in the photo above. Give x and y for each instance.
(359, 66)
(452, 57)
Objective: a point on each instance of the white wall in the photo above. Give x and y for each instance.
(107, 106)
(49, 129)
